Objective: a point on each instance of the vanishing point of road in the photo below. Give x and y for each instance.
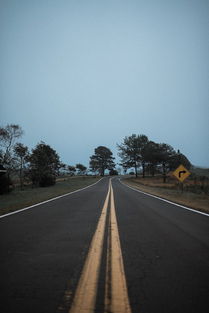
(104, 249)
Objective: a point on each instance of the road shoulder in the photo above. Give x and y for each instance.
(22, 200)
(188, 199)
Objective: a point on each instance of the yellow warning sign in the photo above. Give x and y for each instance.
(181, 173)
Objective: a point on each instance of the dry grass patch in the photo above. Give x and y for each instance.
(170, 191)
(19, 199)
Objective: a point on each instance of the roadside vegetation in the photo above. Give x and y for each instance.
(151, 166)
(144, 155)
(28, 177)
(194, 192)
(20, 198)
(41, 167)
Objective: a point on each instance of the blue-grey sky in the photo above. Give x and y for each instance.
(77, 74)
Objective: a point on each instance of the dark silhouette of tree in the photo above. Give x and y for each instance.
(94, 166)
(5, 181)
(71, 170)
(151, 156)
(44, 164)
(165, 154)
(113, 172)
(8, 137)
(101, 160)
(131, 152)
(177, 159)
(81, 169)
(22, 154)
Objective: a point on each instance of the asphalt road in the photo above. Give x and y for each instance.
(165, 251)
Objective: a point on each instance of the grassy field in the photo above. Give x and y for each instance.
(18, 199)
(201, 171)
(172, 191)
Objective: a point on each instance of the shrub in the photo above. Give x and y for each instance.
(5, 184)
(47, 180)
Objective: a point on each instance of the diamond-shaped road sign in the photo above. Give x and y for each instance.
(181, 173)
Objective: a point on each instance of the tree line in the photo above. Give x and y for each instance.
(42, 165)
(138, 151)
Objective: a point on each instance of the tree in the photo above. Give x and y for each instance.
(164, 156)
(8, 137)
(178, 158)
(119, 170)
(151, 156)
(81, 168)
(101, 160)
(44, 165)
(113, 172)
(131, 152)
(93, 164)
(5, 181)
(158, 154)
(22, 154)
(71, 170)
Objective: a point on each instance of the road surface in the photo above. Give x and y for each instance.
(107, 248)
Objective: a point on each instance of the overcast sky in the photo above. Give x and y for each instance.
(77, 74)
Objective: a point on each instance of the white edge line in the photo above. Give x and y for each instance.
(46, 201)
(179, 205)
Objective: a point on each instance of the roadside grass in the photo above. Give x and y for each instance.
(171, 191)
(18, 199)
(200, 171)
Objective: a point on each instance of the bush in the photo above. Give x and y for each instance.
(5, 184)
(113, 172)
(47, 180)
(131, 173)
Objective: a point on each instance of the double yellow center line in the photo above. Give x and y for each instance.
(116, 295)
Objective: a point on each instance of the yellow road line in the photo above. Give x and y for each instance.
(85, 296)
(116, 294)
